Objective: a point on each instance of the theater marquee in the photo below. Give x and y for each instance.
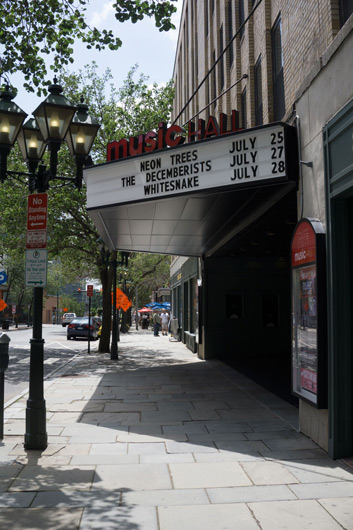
(254, 157)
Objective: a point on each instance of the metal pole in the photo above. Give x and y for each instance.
(136, 314)
(36, 436)
(114, 347)
(57, 307)
(89, 325)
(2, 391)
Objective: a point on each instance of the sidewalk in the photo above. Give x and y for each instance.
(161, 440)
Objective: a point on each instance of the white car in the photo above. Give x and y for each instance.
(67, 317)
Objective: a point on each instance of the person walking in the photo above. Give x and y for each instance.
(156, 324)
(165, 322)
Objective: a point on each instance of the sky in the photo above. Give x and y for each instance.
(143, 43)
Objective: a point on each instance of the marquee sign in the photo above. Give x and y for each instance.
(245, 158)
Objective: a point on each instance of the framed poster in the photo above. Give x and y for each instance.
(309, 344)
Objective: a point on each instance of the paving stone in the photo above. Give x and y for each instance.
(202, 447)
(323, 490)
(216, 437)
(240, 446)
(322, 470)
(262, 473)
(291, 515)
(208, 475)
(204, 414)
(124, 517)
(43, 518)
(167, 416)
(249, 494)
(97, 459)
(186, 428)
(341, 509)
(134, 477)
(166, 458)
(208, 517)
(227, 426)
(129, 407)
(16, 500)
(299, 454)
(273, 435)
(165, 497)
(263, 426)
(289, 445)
(37, 478)
(146, 449)
(109, 449)
(231, 456)
(246, 414)
(8, 473)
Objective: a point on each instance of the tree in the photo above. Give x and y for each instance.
(32, 30)
(72, 235)
(134, 109)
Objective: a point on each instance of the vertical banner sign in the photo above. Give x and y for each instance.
(309, 348)
(89, 290)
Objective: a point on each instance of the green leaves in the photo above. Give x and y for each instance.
(32, 30)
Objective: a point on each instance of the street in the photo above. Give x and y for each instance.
(57, 352)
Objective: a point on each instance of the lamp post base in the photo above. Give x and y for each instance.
(36, 437)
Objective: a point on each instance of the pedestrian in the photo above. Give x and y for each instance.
(156, 324)
(165, 322)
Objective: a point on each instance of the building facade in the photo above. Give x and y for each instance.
(290, 62)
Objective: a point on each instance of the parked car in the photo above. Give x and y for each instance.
(79, 327)
(66, 319)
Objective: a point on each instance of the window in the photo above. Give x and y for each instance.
(277, 69)
(258, 93)
(346, 9)
(221, 62)
(241, 16)
(243, 109)
(230, 29)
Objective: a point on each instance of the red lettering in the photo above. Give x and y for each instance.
(212, 128)
(162, 128)
(173, 136)
(150, 142)
(116, 150)
(133, 148)
(192, 133)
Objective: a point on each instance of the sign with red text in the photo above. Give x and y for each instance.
(89, 290)
(37, 211)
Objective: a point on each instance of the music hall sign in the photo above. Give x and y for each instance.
(203, 157)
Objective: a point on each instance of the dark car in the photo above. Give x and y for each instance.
(79, 327)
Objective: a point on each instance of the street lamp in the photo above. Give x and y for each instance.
(50, 126)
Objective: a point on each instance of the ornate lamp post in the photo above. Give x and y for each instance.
(54, 120)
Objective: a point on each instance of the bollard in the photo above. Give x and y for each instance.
(4, 362)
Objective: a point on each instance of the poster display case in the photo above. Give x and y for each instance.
(309, 343)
